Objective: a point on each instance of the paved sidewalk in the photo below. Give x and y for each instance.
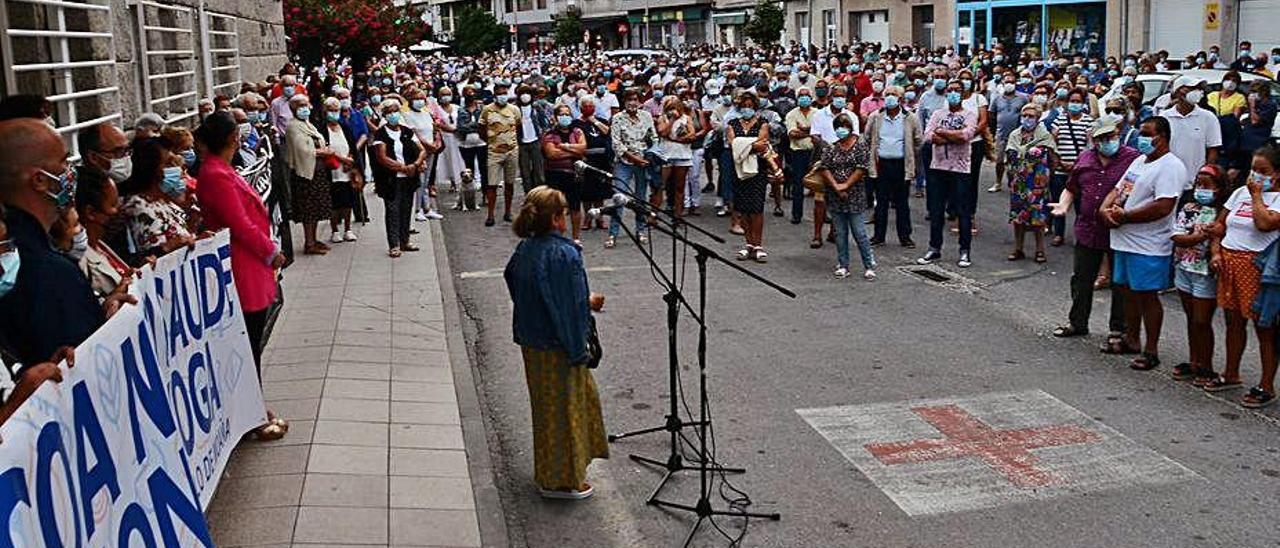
(359, 364)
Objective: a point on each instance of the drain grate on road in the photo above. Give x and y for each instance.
(938, 276)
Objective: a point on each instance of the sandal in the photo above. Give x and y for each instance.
(1257, 398)
(1203, 377)
(777, 211)
(1183, 372)
(582, 493)
(270, 432)
(735, 229)
(1145, 362)
(1040, 258)
(1017, 255)
(394, 253)
(1067, 331)
(1101, 282)
(1220, 384)
(1118, 347)
(761, 256)
(815, 243)
(314, 249)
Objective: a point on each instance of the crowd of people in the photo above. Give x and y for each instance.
(1174, 194)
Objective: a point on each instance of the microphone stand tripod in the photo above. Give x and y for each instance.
(674, 424)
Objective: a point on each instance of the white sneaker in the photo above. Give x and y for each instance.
(994, 188)
(336, 237)
(420, 217)
(869, 275)
(350, 236)
(841, 273)
(433, 214)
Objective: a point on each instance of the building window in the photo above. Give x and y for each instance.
(829, 24)
(510, 6)
(542, 4)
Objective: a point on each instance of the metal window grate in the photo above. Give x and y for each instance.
(221, 39)
(63, 50)
(167, 57)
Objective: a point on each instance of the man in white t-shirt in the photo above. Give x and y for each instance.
(606, 103)
(824, 119)
(1196, 133)
(1140, 212)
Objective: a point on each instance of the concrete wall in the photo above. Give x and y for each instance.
(900, 18)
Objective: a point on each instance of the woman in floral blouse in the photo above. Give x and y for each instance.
(156, 224)
(844, 166)
(1030, 154)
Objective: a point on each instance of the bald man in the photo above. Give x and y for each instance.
(58, 307)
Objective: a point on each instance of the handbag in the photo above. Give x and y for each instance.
(813, 180)
(594, 350)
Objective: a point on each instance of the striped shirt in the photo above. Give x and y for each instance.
(1073, 137)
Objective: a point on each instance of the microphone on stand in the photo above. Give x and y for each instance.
(617, 202)
(580, 166)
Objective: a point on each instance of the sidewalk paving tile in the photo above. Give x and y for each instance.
(345, 490)
(434, 528)
(357, 389)
(432, 493)
(354, 410)
(423, 392)
(347, 459)
(341, 525)
(450, 463)
(361, 371)
(424, 413)
(426, 436)
(367, 434)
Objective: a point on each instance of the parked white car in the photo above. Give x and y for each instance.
(1157, 84)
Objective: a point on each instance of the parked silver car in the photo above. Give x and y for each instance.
(1157, 84)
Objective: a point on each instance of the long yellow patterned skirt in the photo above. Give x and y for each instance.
(568, 428)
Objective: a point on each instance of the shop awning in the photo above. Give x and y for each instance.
(730, 18)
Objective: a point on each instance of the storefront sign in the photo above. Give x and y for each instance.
(128, 449)
(1211, 16)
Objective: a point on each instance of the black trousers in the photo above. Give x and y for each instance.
(1088, 262)
(477, 160)
(256, 324)
(892, 190)
(399, 211)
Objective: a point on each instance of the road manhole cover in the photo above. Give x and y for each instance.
(935, 275)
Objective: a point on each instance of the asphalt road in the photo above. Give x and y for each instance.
(851, 342)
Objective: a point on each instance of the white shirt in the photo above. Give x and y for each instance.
(1242, 235)
(1145, 182)
(824, 124)
(605, 106)
(397, 150)
(527, 133)
(976, 103)
(1189, 135)
(338, 143)
(422, 123)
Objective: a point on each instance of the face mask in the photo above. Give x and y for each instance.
(1061, 93)
(1075, 108)
(877, 86)
(66, 193)
(344, 103)
(747, 113)
(804, 101)
(1229, 85)
(839, 103)
(953, 98)
(189, 157)
(1109, 147)
(417, 104)
(1009, 88)
(608, 74)
(939, 84)
(657, 94)
(375, 99)
(968, 84)
(1264, 180)
(289, 91)
(386, 81)
(303, 113)
(121, 169)
(601, 90)
(564, 120)
(1146, 144)
(332, 115)
(821, 92)
(393, 118)
(79, 245)
(1194, 96)
(803, 76)
(854, 68)
(1204, 196)
(525, 98)
(446, 99)
(172, 184)
(501, 100)
(911, 95)
(9, 264)
(1244, 53)
(891, 102)
(1029, 122)
(726, 100)
(842, 133)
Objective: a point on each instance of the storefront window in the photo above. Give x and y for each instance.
(1078, 28)
(1017, 29)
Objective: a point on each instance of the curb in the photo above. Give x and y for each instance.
(489, 513)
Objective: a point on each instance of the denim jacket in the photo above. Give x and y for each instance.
(1267, 303)
(548, 287)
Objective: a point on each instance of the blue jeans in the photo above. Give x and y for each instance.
(949, 189)
(852, 223)
(797, 168)
(635, 180)
(923, 157)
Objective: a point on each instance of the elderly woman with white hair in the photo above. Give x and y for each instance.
(346, 177)
(310, 173)
(398, 159)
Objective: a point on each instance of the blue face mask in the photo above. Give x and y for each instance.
(608, 74)
(1029, 123)
(657, 94)
(911, 96)
(891, 101)
(1075, 108)
(821, 92)
(839, 103)
(1146, 144)
(189, 157)
(1204, 196)
(393, 118)
(304, 113)
(564, 120)
(1061, 93)
(939, 84)
(9, 264)
(1267, 182)
(332, 116)
(747, 113)
(919, 83)
(375, 99)
(172, 184)
(804, 101)
(842, 133)
(953, 97)
(1109, 147)
(66, 193)
(417, 104)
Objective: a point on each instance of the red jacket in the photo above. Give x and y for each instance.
(227, 201)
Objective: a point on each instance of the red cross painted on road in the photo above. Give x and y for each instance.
(1007, 451)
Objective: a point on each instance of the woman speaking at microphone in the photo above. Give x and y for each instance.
(551, 322)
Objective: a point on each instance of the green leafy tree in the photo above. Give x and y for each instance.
(766, 24)
(569, 30)
(477, 31)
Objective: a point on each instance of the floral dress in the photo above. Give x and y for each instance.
(152, 224)
(1029, 170)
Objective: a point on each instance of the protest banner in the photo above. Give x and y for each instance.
(128, 448)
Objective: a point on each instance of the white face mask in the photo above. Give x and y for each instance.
(121, 169)
(245, 130)
(79, 245)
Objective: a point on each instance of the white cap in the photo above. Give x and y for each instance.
(1185, 81)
